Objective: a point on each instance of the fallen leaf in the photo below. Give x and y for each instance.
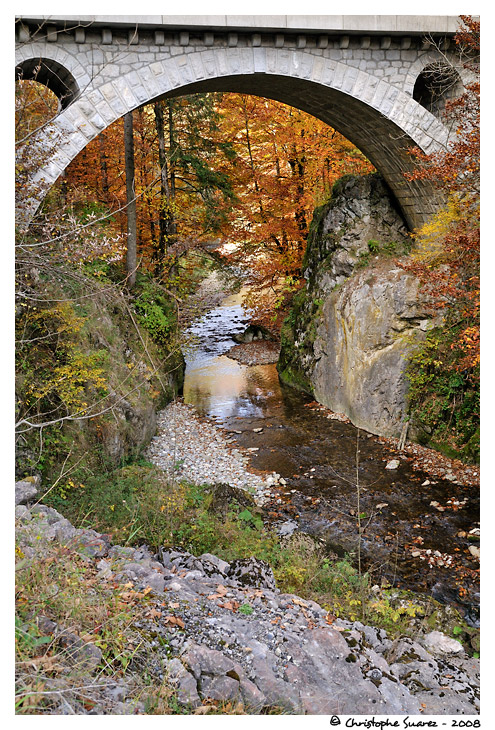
(153, 613)
(174, 621)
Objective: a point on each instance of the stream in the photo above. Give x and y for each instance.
(405, 541)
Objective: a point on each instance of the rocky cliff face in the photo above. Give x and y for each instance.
(347, 338)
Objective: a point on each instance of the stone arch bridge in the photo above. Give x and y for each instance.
(381, 81)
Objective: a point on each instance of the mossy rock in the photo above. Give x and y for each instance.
(224, 496)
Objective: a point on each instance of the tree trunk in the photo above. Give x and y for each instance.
(251, 160)
(173, 154)
(131, 261)
(172, 225)
(103, 166)
(166, 215)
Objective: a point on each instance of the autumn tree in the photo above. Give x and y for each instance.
(182, 185)
(286, 163)
(445, 370)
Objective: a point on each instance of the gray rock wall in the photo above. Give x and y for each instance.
(347, 339)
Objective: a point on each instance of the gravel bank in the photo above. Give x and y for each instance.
(193, 448)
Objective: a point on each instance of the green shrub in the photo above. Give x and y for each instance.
(442, 398)
(156, 311)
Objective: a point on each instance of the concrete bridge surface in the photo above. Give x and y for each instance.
(380, 80)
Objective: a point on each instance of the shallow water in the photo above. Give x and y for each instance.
(317, 457)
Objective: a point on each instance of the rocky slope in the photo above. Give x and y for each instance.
(347, 338)
(223, 632)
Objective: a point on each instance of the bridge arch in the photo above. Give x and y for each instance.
(55, 68)
(378, 117)
(433, 79)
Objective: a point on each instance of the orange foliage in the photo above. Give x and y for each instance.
(455, 287)
(242, 168)
(286, 163)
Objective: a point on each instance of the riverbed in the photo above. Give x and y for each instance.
(418, 531)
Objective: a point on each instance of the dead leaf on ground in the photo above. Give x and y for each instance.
(153, 613)
(174, 621)
(230, 605)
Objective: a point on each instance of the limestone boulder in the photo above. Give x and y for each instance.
(351, 330)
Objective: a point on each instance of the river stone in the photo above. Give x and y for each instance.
(26, 490)
(176, 557)
(287, 528)
(22, 513)
(213, 565)
(200, 660)
(117, 552)
(91, 544)
(393, 464)
(85, 655)
(252, 333)
(219, 688)
(338, 686)
(444, 702)
(253, 698)
(440, 645)
(252, 572)
(224, 496)
(48, 513)
(188, 692)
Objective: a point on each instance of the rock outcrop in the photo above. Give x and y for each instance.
(224, 632)
(348, 335)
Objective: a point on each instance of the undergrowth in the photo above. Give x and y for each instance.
(443, 398)
(62, 610)
(138, 503)
(92, 362)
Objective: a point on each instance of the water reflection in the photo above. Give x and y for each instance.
(218, 386)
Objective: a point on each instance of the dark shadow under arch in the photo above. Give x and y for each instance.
(437, 83)
(52, 75)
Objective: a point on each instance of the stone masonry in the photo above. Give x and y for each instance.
(360, 77)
